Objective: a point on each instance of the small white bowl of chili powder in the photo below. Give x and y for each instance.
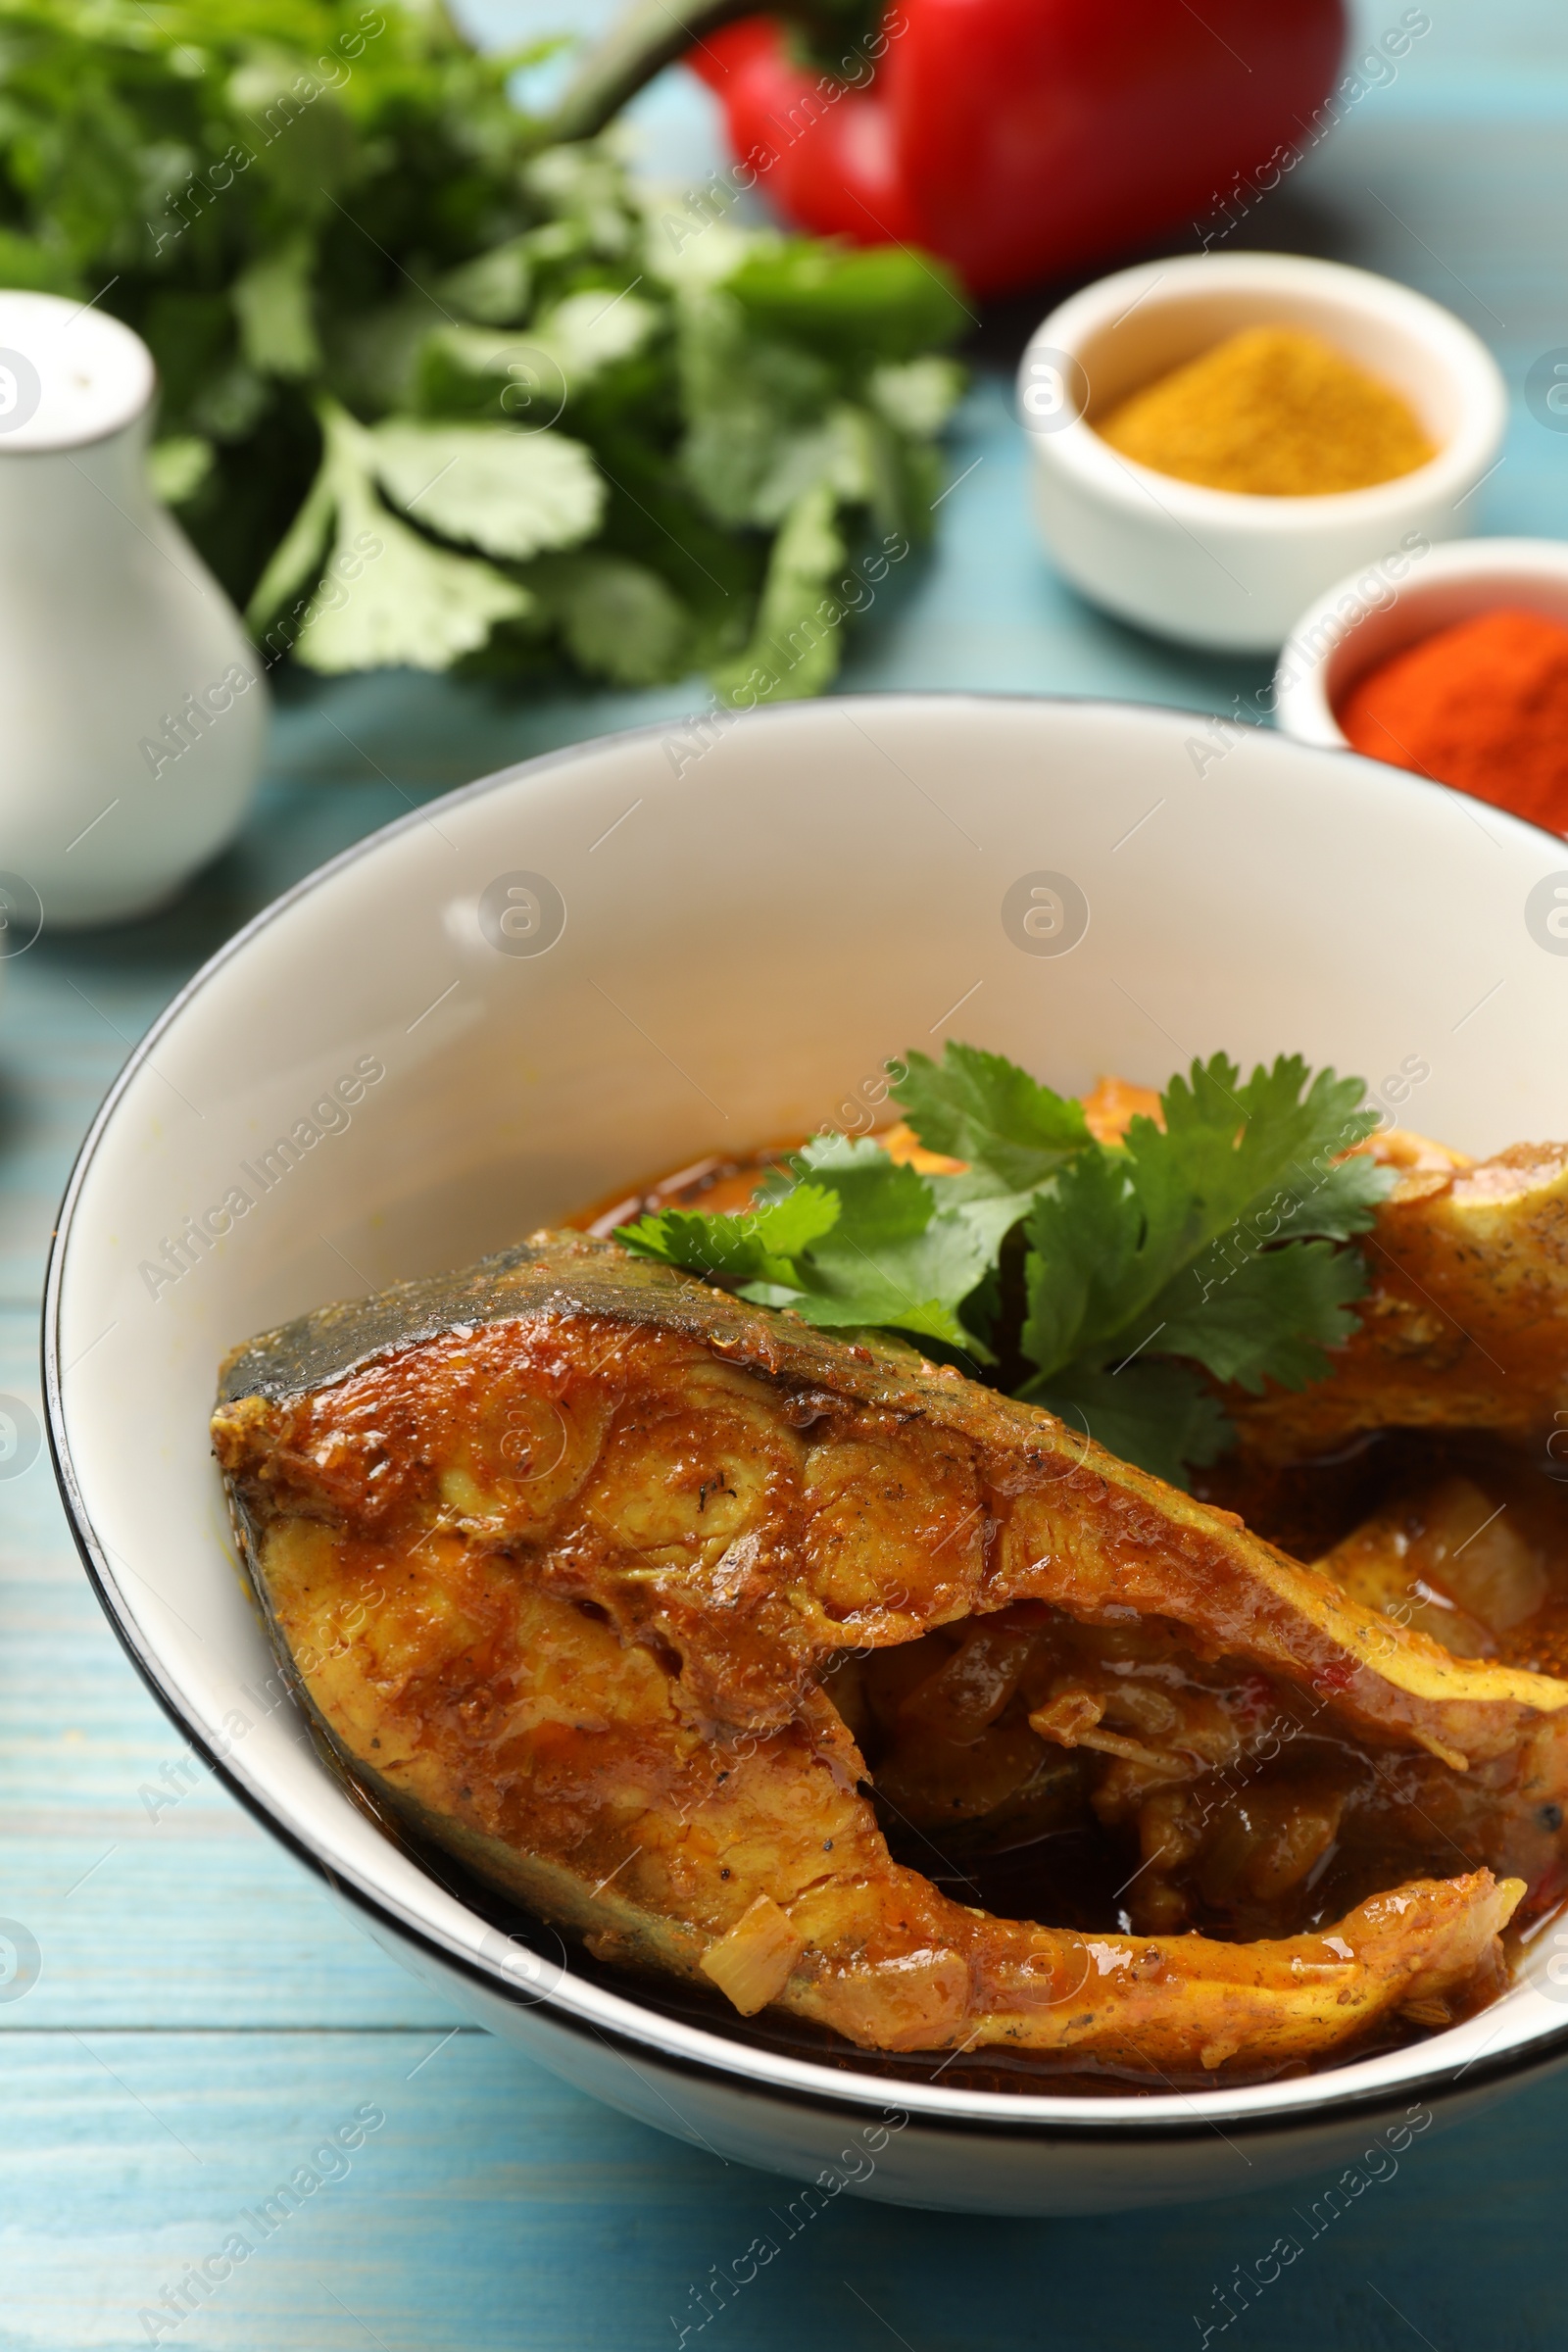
(1458, 671)
(1215, 437)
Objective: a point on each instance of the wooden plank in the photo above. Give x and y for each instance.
(151, 1893)
(494, 2211)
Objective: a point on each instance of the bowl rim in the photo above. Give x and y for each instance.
(1300, 701)
(620, 2021)
(1079, 451)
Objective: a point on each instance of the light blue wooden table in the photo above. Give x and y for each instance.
(205, 2014)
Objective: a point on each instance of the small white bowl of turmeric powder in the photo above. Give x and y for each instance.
(1216, 438)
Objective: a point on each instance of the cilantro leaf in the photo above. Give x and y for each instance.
(298, 202)
(178, 466)
(1084, 1241)
(1267, 1314)
(388, 595)
(619, 618)
(892, 1259)
(1131, 1239)
(1210, 1239)
(494, 288)
(1160, 1416)
(511, 493)
(298, 557)
(897, 1290)
(1013, 1133)
(879, 1200)
(1211, 1248)
(797, 643)
(590, 331)
(989, 1212)
(272, 304)
(983, 1108)
(746, 400)
(858, 1242)
(412, 603)
(1233, 1143)
(760, 1246)
(840, 451)
(918, 397)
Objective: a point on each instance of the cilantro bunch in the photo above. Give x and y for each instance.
(1117, 1283)
(436, 391)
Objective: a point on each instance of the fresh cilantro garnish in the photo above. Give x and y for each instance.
(1011, 1132)
(1213, 1247)
(760, 1246)
(983, 1108)
(1160, 1415)
(1212, 1240)
(897, 1256)
(874, 1248)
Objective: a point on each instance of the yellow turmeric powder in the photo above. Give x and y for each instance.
(1274, 412)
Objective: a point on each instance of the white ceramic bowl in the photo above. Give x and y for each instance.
(1363, 620)
(1213, 567)
(750, 929)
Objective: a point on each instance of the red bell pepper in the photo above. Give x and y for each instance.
(1019, 139)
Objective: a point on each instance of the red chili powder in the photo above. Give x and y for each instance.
(1483, 704)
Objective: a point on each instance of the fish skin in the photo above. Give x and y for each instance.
(657, 1707)
(1380, 1675)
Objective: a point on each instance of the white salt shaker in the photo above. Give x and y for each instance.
(132, 707)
